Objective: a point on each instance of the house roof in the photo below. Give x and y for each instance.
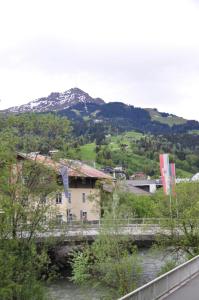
(125, 186)
(144, 182)
(129, 187)
(75, 168)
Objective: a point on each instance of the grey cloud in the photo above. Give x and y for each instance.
(151, 74)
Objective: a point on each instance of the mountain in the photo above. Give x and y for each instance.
(87, 113)
(121, 117)
(56, 102)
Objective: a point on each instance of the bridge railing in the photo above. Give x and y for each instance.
(175, 223)
(164, 284)
(119, 222)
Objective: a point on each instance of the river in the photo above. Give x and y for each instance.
(151, 260)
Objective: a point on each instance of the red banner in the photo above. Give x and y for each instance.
(165, 173)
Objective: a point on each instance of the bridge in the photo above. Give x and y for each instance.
(180, 283)
(140, 230)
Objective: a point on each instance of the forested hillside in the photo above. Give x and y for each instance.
(101, 143)
(138, 152)
(122, 117)
(35, 132)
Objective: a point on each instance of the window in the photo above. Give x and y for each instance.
(59, 219)
(58, 198)
(69, 215)
(83, 215)
(69, 197)
(59, 180)
(83, 197)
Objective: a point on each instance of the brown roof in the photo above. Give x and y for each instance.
(75, 168)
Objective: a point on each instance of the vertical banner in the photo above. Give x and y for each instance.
(173, 178)
(64, 174)
(165, 173)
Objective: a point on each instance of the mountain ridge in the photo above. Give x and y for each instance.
(56, 101)
(81, 108)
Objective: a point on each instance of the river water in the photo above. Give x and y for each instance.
(151, 261)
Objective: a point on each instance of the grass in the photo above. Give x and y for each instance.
(134, 161)
(124, 138)
(77, 112)
(195, 132)
(170, 120)
(183, 174)
(87, 152)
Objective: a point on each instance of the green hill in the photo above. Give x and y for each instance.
(165, 118)
(125, 150)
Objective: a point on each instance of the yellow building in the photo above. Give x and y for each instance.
(83, 197)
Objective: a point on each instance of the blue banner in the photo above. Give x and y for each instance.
(64, 174)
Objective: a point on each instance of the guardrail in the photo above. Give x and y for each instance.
(164, 284)
(122, 222)
(97, 224)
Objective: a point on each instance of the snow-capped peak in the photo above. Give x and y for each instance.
(56, 102)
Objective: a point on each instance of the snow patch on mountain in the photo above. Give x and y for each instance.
(57, 101)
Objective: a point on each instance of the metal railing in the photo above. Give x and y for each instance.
(164, 284)
(122, 222)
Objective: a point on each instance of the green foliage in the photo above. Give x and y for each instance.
(110, 261)
(20, 268)
(23, 265)
(137, 152)
(87, 152)
(37, 132)
(101, 142)
(168, 266)
(136, 206)
(184, 224)
(80, 263)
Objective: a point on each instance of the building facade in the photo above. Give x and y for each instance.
(81, 201)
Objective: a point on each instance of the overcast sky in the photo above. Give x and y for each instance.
(141, 52)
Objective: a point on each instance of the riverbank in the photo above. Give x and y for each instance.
(151, 260)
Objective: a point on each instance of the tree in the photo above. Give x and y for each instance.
(137, 206)
(110, 261)
(37, 132)
(183, 222)
(22, 210)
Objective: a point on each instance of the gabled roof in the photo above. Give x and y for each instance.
(128, 187)
(75, 168)
(125, 186)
